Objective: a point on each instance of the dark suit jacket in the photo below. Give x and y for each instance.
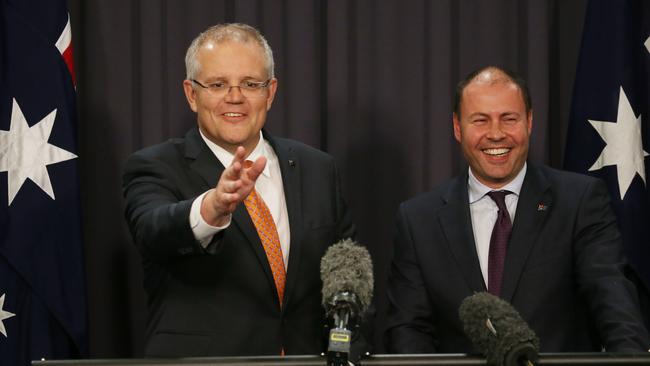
(222, 301)
(563, 270)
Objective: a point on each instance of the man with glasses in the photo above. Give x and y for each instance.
(230, 221)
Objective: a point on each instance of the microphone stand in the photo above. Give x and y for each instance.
(343, 308)
(523, 354)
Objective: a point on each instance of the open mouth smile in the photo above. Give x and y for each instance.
(501, 151)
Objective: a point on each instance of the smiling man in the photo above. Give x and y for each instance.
(231, 222)
(542, 239)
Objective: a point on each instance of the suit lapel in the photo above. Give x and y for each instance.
(456, 223)
(535, 202)
(290, 167)
(242, 220)
(201, 159)
(206, 165)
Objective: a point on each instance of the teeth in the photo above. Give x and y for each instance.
(232, 114)
(499, 151)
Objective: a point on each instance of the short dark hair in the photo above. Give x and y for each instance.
(509, 76)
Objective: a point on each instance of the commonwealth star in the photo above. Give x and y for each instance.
(4, 315)
(624, 147)
(25, 152)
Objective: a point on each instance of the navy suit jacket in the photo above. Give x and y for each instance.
(563, 270)
(222, 301)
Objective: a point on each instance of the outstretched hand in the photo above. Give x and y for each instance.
(235, 183)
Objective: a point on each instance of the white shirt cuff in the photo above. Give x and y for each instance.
(203, 232)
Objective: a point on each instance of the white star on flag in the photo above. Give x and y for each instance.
(4, 315)
(624, 146)
(25, 152)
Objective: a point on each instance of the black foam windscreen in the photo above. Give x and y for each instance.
(497, 330)
(347, 267)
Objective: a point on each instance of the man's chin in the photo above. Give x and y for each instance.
(497, 177)
(241, 140)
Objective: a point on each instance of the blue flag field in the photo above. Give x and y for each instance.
(42, 281)
(609, 129)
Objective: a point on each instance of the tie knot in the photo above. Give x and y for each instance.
(499, 197)
(247, 164)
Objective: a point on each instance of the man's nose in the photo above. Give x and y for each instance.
(495, 131)
(234, 94)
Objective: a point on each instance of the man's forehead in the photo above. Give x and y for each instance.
(480, 84)
(488, 78)
(490, 91)
(491, 75)
(213, 44)
(212, 54)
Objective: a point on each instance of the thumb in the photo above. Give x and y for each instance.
(256, 168)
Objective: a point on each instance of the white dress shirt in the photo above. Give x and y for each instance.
(484, 211)
(268, 185)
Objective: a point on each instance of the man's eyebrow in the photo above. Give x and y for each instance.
(511, 113)
(478, 114)
(212, 79)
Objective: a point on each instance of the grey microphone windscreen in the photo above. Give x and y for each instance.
(346, 266)
(497, 330)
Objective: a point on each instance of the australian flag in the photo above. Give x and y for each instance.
(609, 128)
(42, 281)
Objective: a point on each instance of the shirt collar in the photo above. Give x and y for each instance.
(225, 157)
(478, 190)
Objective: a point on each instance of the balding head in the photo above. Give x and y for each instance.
(491, 75)
(495, 126)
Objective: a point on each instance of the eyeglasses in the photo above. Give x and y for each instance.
(249, 88)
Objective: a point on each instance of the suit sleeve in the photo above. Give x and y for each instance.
(599, 269)
(410, 315)
(156, 210)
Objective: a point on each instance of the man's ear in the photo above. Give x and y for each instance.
(273, 87)
(457, 131)
(190, 94)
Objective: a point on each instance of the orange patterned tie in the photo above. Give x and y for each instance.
(268, 234)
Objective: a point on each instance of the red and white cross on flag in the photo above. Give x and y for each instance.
(64, 44)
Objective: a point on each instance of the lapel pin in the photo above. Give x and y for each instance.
(541, 207)
(292, 163)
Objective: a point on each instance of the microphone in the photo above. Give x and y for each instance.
(497, 330)
(346, 272)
